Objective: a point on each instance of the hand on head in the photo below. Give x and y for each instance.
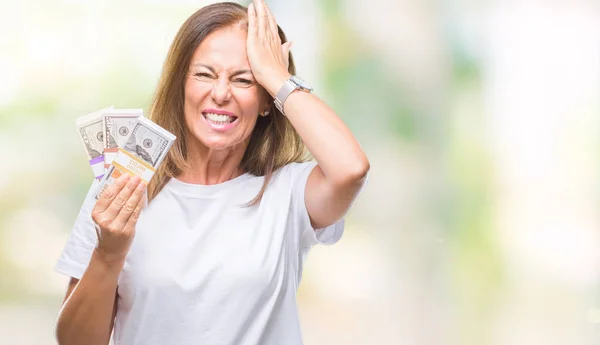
(268, 58)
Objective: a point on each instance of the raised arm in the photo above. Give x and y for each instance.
(334, 183)
(342, 165)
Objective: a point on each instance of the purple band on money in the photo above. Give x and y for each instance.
(97, 160)
(97, 165)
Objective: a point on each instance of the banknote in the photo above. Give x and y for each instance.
(143, 152)
(90, 130)
(149, 142)
(117, 125)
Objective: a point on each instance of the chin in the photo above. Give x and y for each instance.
(218, 143)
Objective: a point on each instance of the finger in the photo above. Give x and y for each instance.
(261, 18)
(127, 210)
(252, 25)
(110, 192)
(132, 221)
(270, 19)
(119, 202)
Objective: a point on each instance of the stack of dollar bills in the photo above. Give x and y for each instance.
(122, 141)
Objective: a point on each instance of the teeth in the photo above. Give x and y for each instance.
(219, 118)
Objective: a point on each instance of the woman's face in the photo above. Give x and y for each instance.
(222, 98)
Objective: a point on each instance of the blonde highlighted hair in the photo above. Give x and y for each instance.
(273, 142)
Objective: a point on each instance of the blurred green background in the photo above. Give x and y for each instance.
(480, 222)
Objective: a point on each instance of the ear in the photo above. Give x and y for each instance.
(265, 109)
(265, 112)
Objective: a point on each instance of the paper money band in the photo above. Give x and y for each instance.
(126, 162)
(97, 165)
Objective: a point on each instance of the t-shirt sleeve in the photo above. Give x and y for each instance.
(76, 254)
(308, 235)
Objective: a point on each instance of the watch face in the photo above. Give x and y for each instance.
(301, 83)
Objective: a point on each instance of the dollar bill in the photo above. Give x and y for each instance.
(149, 141)
(117, 125)
(90, 130)
(142, 154)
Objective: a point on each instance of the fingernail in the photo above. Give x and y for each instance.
(136, 179)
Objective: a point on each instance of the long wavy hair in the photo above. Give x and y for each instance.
(273, 142)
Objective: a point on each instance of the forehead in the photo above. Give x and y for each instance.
(223, 49)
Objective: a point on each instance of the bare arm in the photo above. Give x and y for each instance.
(334, 183)
(88, 311)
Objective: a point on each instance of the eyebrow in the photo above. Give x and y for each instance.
(238, 72)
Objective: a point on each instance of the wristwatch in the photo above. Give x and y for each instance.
(292, 84)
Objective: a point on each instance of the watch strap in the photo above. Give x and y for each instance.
(288, 87)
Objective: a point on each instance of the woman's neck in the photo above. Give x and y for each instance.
(208, 166)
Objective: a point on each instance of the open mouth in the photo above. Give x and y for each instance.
(219, 119)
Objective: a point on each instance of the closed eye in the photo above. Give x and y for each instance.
(202, 74)
(245, 81)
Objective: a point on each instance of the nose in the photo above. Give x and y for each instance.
(220, 92)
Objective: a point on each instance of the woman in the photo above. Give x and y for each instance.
(232, 212)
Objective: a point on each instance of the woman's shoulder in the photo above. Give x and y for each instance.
(294, 169)
(293, 173)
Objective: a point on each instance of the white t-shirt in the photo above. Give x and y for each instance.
(202, 269)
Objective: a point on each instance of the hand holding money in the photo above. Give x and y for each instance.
(116, 213)
(134, 147)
